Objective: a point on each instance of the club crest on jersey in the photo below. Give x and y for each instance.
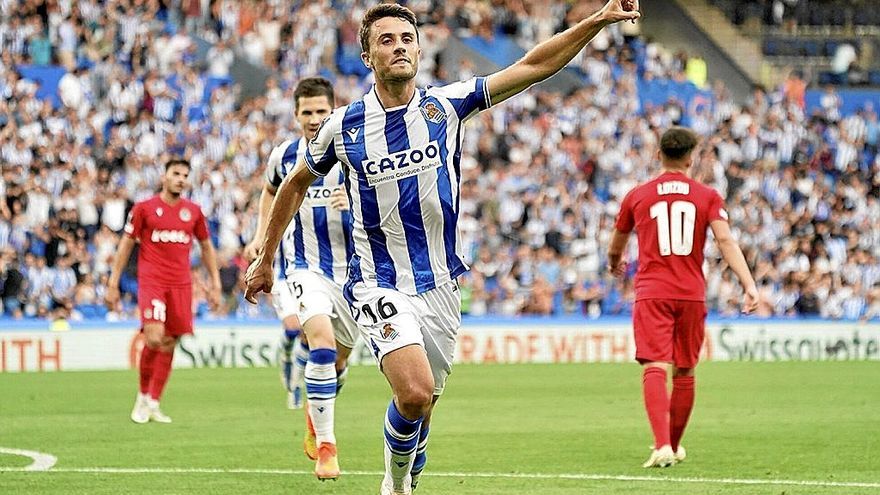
(388, 332)
(432, 113)
(159, 211)
(185, 215)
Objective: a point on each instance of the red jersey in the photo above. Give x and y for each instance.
(671, 215)
(166, 233)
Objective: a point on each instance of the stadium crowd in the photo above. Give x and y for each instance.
(542, 176)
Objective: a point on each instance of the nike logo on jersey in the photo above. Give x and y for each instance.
(353, 133)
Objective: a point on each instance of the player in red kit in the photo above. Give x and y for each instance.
(671, 215)
(165, 225)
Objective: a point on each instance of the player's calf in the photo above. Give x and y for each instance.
(401, 443)
(421, 457)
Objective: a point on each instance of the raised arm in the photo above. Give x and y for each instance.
(733, 255)
(288, 199)
(552, 55)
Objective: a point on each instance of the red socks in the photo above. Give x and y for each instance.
(161, 371)
(680, 406)
(657, 403)
(148, 358)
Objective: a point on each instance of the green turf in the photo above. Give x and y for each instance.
(794, 421)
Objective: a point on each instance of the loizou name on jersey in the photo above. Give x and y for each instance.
(402, 164)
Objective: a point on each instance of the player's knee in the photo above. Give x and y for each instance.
(415, 400)
(168, 344)
(153, 341)
(679, 372)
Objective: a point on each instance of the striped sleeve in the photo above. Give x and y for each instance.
(321, 151)
(467, 97)
(274, 174)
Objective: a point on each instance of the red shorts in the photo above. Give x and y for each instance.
(669, 331)
(171, 306)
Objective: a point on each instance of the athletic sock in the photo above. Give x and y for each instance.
(288, 341)
(148, 360)
(421, 456)
(401, 441)
(300, 358)
(680, 406)
(657, 403)
(161, 372)
(321, 390)
(341, 376)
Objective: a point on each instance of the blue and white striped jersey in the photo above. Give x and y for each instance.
(319, 235)
(403, 183)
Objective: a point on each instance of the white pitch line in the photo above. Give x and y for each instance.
(42, 462)
(566, 476)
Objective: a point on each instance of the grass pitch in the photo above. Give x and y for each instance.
(514, 429)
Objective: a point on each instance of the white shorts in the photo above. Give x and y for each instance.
(390, 320)
(283, 299)
(315, 295)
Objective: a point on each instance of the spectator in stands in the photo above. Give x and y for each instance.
(12, 285)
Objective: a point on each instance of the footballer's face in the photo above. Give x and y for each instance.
(310, 112)
(176, 179)
(394, 50)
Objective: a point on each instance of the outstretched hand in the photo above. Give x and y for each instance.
(339, 200)
(750, 303)
(621, 10)
(251, 250)
(618, 270)
(259, 278)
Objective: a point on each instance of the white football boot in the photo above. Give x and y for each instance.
(680, 454)
(156, 414)
(140, 413)
(662, 457)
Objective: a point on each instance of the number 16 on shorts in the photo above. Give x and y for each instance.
(386, 320)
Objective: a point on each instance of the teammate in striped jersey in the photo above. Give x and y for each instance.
(313, 261)
(401, 149)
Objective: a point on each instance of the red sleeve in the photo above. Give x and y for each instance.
(716, 208)
(135, 222)
(625, 221)
(200, 229)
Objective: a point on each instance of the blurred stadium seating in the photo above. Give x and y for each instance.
(838, 40)
(85, 129)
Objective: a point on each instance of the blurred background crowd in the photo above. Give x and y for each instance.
(144, 80)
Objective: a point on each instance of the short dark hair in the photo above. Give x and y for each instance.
(677, 142)
(382, 11)
(313, 86)
(178, 161)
